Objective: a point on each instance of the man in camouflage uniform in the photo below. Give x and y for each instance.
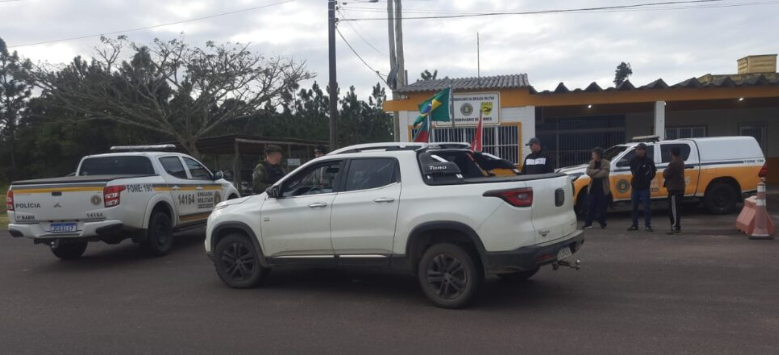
(268, 171)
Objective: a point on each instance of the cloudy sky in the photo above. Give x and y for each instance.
(673, 42)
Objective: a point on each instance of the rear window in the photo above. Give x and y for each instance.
(116, 165)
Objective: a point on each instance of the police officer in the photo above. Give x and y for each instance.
(537, 162)
(268, 171)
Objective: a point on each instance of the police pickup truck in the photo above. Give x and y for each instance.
(139, 192)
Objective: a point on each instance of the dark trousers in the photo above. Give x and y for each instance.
(675, 209)
(597, 204)
(641, 196)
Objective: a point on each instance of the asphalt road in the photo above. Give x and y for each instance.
(710, 291)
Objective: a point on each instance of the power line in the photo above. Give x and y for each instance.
(10, 0)
(558, 11)
(154, 26)
(358, 56)
(343, 16)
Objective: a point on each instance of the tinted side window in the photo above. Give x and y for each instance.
(650, 153)
(173, 166)
(198, 171)
(665, 151)
(116, 165)
(370, 173)
(318, 179)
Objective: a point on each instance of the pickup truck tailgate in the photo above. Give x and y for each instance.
(553, 215)
(57, 203)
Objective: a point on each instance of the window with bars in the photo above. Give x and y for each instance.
(685, 132)
(501, 141)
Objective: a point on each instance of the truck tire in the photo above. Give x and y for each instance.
(159, 235)
(720, 198)
(69, 250)
(519, 275)
(449, 276)
(237, 262)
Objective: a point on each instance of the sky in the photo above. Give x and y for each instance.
(672, 42)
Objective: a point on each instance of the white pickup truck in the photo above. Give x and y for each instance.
(137, 192)
(427, 209)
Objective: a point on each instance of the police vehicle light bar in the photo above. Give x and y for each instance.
(141, 148)
(646, 139)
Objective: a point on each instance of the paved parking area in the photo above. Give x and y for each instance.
(710, 291)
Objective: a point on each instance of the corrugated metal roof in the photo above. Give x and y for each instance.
(692, 83)
(512, 81)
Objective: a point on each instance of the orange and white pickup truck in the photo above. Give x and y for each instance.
(719, 171)
(136, 192)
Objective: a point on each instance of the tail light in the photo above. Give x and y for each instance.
(9, 200)
(516, 197)
(112, 195)
(763, 171)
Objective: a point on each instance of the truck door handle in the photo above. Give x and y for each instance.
(175, 188)
(317, 205)
(384, 200)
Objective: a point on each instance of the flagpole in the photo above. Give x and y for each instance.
(451, 110)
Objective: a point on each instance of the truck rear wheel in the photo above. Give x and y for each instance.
(159, 235)
(449, 276)
(720, 198)
(68, 250)
(519, 275)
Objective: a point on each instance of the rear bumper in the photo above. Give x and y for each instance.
(530, 257)
(88, 230)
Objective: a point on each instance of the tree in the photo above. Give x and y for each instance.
(170, 87)
(14, 94)
(427, 75)
(622, 73)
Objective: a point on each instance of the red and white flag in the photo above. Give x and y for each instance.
(477, 138)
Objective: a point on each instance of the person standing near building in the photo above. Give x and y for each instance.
(644, 171)
(675, 184)
(537, 162)
(268, 171)
(598, 191)
(320, 151)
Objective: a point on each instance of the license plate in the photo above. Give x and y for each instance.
(63, 227)
(564, 253)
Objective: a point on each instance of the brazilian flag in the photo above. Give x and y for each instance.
(436, 107)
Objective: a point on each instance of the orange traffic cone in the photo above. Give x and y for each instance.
(761, 215)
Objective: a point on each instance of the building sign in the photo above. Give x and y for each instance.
(467, 106)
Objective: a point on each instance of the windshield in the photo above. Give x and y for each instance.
(116, 165)
(612, 152)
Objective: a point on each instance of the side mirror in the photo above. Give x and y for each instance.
(219, 175)
(273, 192)
(623, 163)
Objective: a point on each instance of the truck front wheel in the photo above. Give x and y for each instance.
(68, 250)
(449, 276)
(159, 235)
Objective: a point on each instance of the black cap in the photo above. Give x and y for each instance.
(532, 141)
(272, 148)
(320, 148)
(641, 146)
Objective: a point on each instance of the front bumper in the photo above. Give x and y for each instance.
(531, 257)
(87, 230)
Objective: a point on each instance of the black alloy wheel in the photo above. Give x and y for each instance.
(449, 275)
(238, 262)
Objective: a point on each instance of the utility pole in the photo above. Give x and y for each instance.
(333, 82)
(393, 66)
(399, 44)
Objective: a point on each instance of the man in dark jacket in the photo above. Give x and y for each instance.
(268, 171)
(537, 162)
(643, 170)
(674, 182)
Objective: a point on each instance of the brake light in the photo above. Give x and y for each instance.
(9, 200)
(112, 195)
(763, 171)
(516, 197)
